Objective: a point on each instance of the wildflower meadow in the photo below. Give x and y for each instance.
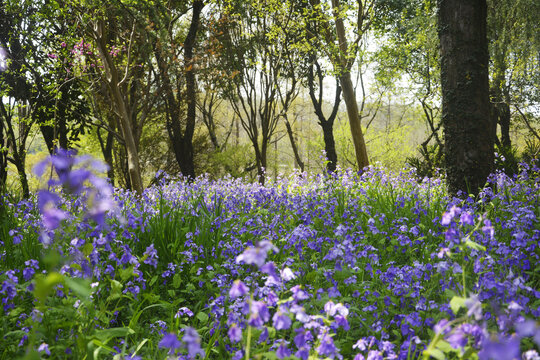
(372, 265)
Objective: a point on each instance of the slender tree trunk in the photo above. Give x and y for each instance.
(327, 125)
(501, 99)
(354, 120)
(3, 160)
(187, 165)
(113, 81)
(263, 168)
(294, 146)
(20, 165)
(465, 89)
(107, 151)
(349, 94)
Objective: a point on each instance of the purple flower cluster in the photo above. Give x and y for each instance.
(351, 266)
(190, 341)
(75, 175)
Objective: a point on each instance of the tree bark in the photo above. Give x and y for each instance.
(469, 143)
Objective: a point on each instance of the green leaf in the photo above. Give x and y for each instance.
(445, 347)
(203, 318)
(269, 355)
(107, 334)
(457, 303)
(44, 285)
(126, 274)
(436, 353)
(474, 245)
(177, 280)
(80, 287)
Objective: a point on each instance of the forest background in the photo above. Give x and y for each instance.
(247, 88)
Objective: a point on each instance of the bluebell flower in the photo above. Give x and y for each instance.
(44, 347)
(326, 345)
(183, 311)
(281, 320)
(47, 204)
(283, 351)
(193, 343)
(151, 257)
(170, 341)
(234, 333)
(238, 289)
(506, 348)
(449, 215)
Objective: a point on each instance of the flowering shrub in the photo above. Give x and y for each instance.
(371, 266)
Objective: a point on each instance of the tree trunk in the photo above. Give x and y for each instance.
(354, 120)
(465, 94)
(107, 151)
(500, 97)
(20, 165)
(293, 145)
(187, 166)
(3, 160)
(48, 136)
(329, 146)
(119, 101)
(327, 125)
(349, 94)
(182, 139)
(504, 123)
(264, 161)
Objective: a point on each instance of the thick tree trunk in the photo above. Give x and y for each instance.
(48, 136)
(329, 146)
(465, 89)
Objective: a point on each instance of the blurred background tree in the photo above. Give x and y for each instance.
(248, 88)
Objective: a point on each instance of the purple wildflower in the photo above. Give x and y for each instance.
(151, 257)
(281, 320)
(235, 333)
(256, 256)
(238, 289)
(193, 343)
(44, 347)
(170, 341)
(283, 351)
